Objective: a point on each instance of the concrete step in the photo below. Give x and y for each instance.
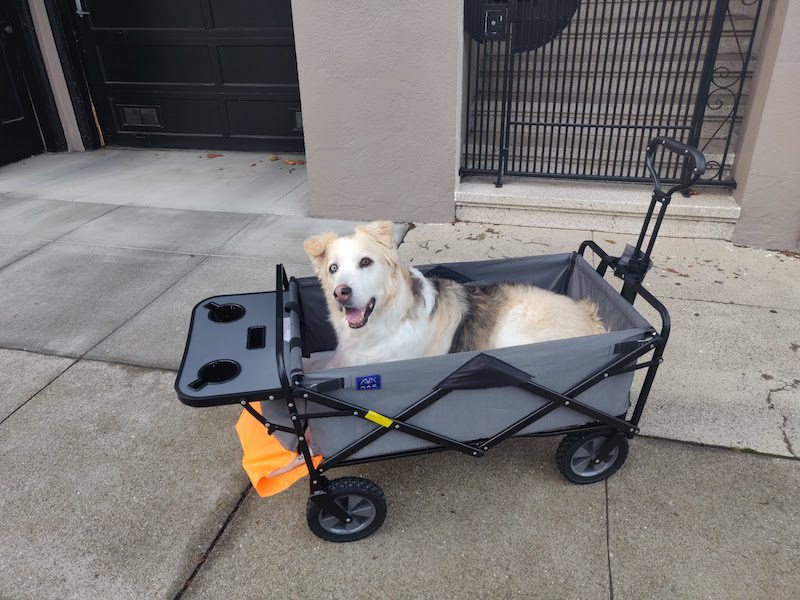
(736, 8)
(597, 206)
(631, 62)
(652, 85)
(562, 131)
(606, 36)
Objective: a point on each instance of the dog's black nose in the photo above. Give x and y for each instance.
(342, 293)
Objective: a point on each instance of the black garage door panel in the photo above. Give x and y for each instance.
(146, 14)
(257, 117)
(181, 65)
(247, 14)
(19, 130)
(194, 73)
(265, 65)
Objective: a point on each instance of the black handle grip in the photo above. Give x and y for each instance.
(676, 147)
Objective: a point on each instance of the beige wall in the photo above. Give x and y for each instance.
(380, 84)
(55, 74)
(768, 161)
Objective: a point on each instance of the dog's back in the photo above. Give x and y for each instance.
(503, 314)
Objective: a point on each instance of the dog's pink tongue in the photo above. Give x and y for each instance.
(355, 315)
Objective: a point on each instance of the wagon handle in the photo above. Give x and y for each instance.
(697, 164)
(633, 265)
(693, 155)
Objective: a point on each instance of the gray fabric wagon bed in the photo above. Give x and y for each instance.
(478, 413)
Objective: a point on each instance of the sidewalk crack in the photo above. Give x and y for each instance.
(213, 543)
(43, 388)
(793, 385)
(608, 544)
(54, 240)
(172, 285)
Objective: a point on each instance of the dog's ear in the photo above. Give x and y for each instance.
(382, 231)
(316, 246)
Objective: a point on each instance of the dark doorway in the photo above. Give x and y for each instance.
(19, 130)
(193, 73)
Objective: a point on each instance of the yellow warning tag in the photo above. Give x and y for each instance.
(378, 418)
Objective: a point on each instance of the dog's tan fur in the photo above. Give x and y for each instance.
(414, 316)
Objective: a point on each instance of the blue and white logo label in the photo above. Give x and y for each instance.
(368, 382)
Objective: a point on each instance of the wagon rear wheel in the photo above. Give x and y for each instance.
(361, 498)
(578, 460)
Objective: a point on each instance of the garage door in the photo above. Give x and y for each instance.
(193, 73)
(19, 132)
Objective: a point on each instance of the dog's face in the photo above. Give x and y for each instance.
(358, 272)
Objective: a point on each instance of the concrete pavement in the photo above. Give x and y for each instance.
(113, 489)
(244, 182)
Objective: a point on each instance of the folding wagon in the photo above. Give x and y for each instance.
(248, 349)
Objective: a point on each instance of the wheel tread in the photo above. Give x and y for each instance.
(567, 448)
(353, 485)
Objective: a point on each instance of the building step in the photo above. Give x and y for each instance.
(609, 207)
(566, 131)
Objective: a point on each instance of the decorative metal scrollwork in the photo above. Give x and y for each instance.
(725, 94)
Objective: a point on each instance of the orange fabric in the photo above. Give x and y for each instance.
(263, 454)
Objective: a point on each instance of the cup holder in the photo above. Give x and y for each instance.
(224, 313)
(217, 371)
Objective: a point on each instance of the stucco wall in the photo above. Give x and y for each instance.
(768, 161)
(380, 84)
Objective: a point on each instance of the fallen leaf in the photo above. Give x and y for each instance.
(213, 155)
(671, 270)
(274, 157)
(610, 241)
(789, 253)
(294, 162)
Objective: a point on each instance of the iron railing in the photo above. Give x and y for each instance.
(576, 88)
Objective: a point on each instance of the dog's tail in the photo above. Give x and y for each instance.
(594, 315)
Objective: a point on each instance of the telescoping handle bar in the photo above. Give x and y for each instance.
(694, 167)
(636, 265)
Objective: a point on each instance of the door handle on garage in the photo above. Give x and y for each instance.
(79, 9)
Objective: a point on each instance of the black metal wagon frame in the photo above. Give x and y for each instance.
(631, 267)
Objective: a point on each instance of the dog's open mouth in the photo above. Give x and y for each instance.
(357, 317)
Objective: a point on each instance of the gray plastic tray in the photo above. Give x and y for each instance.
(230, 351)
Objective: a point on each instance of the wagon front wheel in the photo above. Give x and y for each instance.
(364, 502)
(578, 456)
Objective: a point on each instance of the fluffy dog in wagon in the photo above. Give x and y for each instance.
(383, 310)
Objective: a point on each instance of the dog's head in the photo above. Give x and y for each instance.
(359, 272)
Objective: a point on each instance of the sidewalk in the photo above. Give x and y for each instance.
(112, 488)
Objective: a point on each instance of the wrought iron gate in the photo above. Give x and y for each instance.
(576, 88)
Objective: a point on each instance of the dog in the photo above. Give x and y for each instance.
(383, 310)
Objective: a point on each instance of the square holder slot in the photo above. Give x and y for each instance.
(256, 337)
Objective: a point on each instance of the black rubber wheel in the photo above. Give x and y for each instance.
(362, 498)
(577, 456)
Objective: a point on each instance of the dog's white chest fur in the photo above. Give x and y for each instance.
(399, 334)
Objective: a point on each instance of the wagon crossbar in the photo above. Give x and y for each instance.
(477, 448)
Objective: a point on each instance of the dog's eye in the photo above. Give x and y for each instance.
(365, 262)
(333, 268)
